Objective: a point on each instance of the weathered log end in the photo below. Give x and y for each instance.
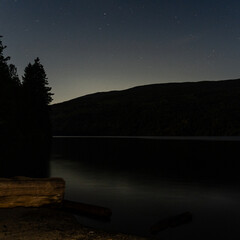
(31, 192)
(174, 221)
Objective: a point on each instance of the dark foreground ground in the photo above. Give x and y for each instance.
(45, 223)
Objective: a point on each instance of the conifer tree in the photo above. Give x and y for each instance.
(37, 97)
(24, 119)
(35, 85)
(8, 72)
(9, 92)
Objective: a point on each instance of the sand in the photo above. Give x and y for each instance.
(47, 223)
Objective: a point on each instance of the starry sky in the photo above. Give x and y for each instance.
(89, 46)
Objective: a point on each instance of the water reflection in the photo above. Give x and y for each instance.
(139, 199)
(160, 157)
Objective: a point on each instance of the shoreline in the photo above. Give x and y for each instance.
(50, 223)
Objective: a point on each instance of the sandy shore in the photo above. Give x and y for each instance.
(47, 223)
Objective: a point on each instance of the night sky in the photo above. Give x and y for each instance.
(88, 46)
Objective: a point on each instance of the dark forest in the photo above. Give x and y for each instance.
(25, 127)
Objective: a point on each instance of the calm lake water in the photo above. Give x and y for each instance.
(144, 180)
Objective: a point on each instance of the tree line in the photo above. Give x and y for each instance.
(25, 129)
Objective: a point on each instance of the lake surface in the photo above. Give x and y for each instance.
(144, 180)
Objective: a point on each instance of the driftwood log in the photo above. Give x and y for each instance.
(173, 221)
(31, 192)
(38, 192)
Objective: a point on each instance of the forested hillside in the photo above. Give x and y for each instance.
(208, 108)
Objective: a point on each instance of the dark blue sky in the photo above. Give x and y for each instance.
(88, 46)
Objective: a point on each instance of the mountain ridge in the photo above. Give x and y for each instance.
(164, 109)
(143, 86)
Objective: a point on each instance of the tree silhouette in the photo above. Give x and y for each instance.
(25, 128)
(37, 97)
(35, 84)
(9, 93)
(8, 72)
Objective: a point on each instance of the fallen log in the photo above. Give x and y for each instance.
(38, 192)
(31, 192)
(87, 209)
(173, 221)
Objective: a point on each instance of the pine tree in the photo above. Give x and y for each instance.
(8, 72)
(24, 119)
(36, 121)
(35, 85)
(37, 97)
(4, 73)
(10, 113)
(9, 93)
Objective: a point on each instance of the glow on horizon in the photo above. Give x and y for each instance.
(94, 46)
